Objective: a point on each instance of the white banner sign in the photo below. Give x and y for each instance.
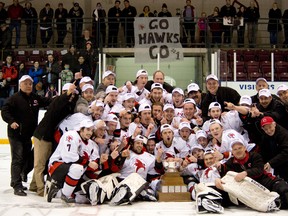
(157, 35)
(249, 88)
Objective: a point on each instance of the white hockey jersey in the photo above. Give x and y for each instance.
(72, 122)
(71, 147)
(209, 175)
(133, 126)
(138, 163)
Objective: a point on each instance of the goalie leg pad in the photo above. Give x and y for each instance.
(134, 184)
(109, 182)
(94, 191)
(208, 199)
(251, 193)
(121, 195)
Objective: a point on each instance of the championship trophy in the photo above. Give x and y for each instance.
(173, 189)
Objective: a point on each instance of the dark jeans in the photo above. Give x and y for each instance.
(21, 159)
(113, 35)
(129, 34)
(189, 28)
(17, 25)
(227, 34)
(77, 28)
(31, 34)
(61, 32)
(273, 38)
(46, 36)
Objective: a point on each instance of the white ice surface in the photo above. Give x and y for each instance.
(33, 205)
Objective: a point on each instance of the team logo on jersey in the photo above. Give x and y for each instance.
(206, 173)
(168, 155)
(69, 138)
(139, 165)
(231, 135)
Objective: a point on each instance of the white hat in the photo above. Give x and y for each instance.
(212, 76)
(197, 146)
(99, 123)
(184, 125)
(245, 99)
(264, 92)
(144, 107)
(151, 136)
(179, 90)
(168, 106)
(128, 96)
(85, 79)
(112, 117)
(141, 73)
(214, 105)
(111, 88)
(282, 87)
(189, 100)
(236, 140)
(66, 86)
(261, 79)
(97, 103)
(25, 77)
(141, 138)
(107, 73)
(214, 121)
(165, 127)
(156, 85)
(192, 87)
(87, 123)
(208, 151)
(201, 133)
(87, 86)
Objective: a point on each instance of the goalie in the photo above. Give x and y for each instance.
(254, 188)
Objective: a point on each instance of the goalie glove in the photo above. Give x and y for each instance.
(208, 199)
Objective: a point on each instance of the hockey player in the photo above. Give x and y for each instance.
(75, 154)
(251, 164)
(201, 138)
(189, 113)
(142, 163)
(178, 99)
(110, 100)
(156, 95)
(87, 96)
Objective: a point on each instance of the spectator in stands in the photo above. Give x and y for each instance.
(66, 75)
(274, 25)
(189, 23)
(61, 15)
(76, 15)
(227, 11)
(46, 19)
(3, 90)
(240, 29)
(285, 25)
(52, 71)
(251, 17)
(30, 16)
(22, 70)
(215, 24)
(81, 44)
(15, 13)
(36, 73)
(114, 15)
(91, 57)
(10, 74)
(146, 12)
(43, 137)
(83, 67)
(3, 13)
(216, 93)
(274, 147)
(99, 25)
(51, 91)
(164, 12)
(128, 14)
(159, 77)
(71, 58)
(21, 114)
(202, 26)
(6, 40)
